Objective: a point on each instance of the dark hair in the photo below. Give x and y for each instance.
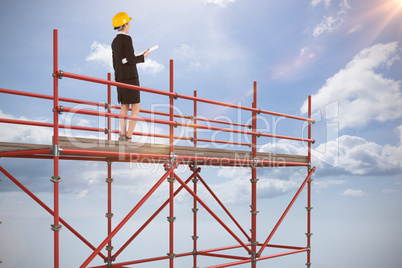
(120, 27)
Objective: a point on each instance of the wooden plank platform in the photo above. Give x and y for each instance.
(131, 151)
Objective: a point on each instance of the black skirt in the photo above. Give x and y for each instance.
(129, 96)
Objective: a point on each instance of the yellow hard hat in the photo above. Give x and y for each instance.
(120, 19)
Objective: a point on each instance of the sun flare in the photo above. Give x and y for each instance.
(398, 3)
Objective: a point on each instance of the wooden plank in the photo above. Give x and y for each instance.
(112, 146)
(13, 146)
(148, 148)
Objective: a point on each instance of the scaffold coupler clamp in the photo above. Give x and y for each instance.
(172, 161)
(254, 256)
(171, 219)
(254, 212)
(254, 243)
(171, 255)
(309, 166)
(107, 105)
(56, 228)
(255, 162)
(59, 109)
(194, 167)
(59, 75)
(56, 179)
(109, 261)
(56, 150)
(107, 130)
(308, 264)
(254, 180)
(175, 97)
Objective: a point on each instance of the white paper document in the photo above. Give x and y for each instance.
(150, 49)
(124, 61)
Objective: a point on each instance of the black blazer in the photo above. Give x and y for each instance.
(122, 47)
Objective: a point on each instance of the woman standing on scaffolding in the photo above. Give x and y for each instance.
(125, 71)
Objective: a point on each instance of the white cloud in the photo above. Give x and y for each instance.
(327, 183)
(189, 54)
(332, 22)
(221, 3)
(328, 24)
(82, 193)
(151, 66)
(316, 2)
(363, 95)
(348, 155)
(357, 156)
(284, 147)
(270, 187)
(185, 50)
(102, 54)
(361, 157)
(271, 183)
(25, 133)
(390, 191)
(357, 193)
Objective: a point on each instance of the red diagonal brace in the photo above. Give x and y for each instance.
(212, 213)
(129, 215)
(286, 211)
(152, 217)
(223, 207)
(48, 209)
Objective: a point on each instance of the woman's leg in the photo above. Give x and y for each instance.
(123, 125)
(131, 126)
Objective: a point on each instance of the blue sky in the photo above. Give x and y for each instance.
(345, 53)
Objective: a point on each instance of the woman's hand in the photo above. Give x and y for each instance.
(146, 54)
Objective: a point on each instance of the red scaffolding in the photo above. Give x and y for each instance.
(170, 156)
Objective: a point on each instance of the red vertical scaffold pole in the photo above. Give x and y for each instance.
(109, 178)
(171, 180)
(254, 183)
(195, 180)
(309, 207)
(195, 236)
(56, 227)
